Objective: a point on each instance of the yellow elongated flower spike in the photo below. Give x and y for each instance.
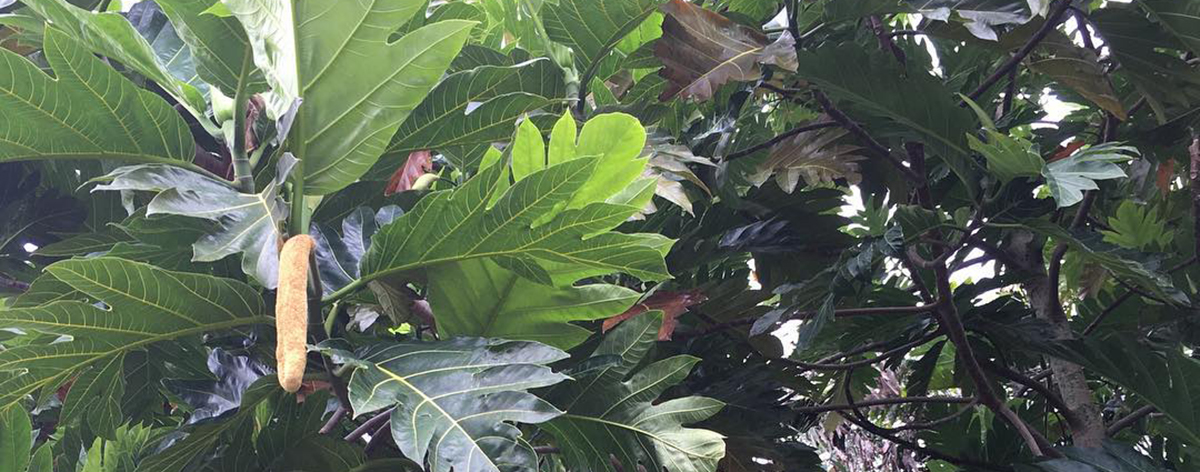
(291, 312)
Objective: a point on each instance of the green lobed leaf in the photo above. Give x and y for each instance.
(147, 305)
(111, 35)
(1007, 157)
(16, 438)
(1068, 178)
(496, 95)
(593, 28)
(1135, 227)
(1166, 379)
(612, 414)
(245, 223)
(556, 217)
(501, 304)
(357, 87)
(218, 45)
(454, 400)
(1180, 17)
(1138, 44)
(87, 112)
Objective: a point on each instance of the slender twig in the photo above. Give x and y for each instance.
(546, 450)
(897, 351)
(1112, 307)
(865, 137)
(13, 285)
(907, 32)
(938, 422)
(844, 312)
(1052, 21)
(861, 421)
(1052, 398)
(1129, 420)
(882, 402)
(370, 425)
(780, 138)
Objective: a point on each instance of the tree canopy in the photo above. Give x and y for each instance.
(599, 235)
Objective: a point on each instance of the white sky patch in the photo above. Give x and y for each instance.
(30, 247)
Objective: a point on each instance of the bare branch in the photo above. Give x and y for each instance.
(883, 402)
(897, 351)
(370, 425)
(1052, 20)
(1129, 420)
(780, 138)
(873, 145)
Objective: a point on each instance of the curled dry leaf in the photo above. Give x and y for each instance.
(813, 155)
(702, 50)
(672, 304)
(291, 311)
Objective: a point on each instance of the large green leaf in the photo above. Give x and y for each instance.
(1113, 457)
(610, 412)
(1180, 17)
(1129, 266)
(702, 50)
(109, 34)
(913, 99)
(1138, 44)
(87, 112)
(553, 217)
(16, 443)
(593, 28)
(146, 305)
(356, 86)
(218, 45)
(495, 95)
(1068, 178)
(503, 305)
(454, 399)
(1168, 380)
(245, 223)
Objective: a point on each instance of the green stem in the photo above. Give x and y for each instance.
(243, 171)
(331, 318)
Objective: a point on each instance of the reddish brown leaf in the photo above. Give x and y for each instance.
(1064, 152)
(672, 305)
(1166, 173)
(418, 163)
(703, 50)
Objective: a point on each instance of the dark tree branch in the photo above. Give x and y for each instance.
(1052, 398)
(1194, 177)
(546, 450)
(883, 402)
(844, 312)
(938, 422)
(872, 145)
(897, 351)
(1108, 310)
(780, 138)
(906, 32)
(13, 285)
(862, 422)
(1129, 420)
(885, 41)
(370, 425)
(333, 420)
(1052, 21)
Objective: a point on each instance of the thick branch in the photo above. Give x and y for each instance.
(370, 425)
(1052, 398)
(885, 40)
(1129, 420)
(1056, 16)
